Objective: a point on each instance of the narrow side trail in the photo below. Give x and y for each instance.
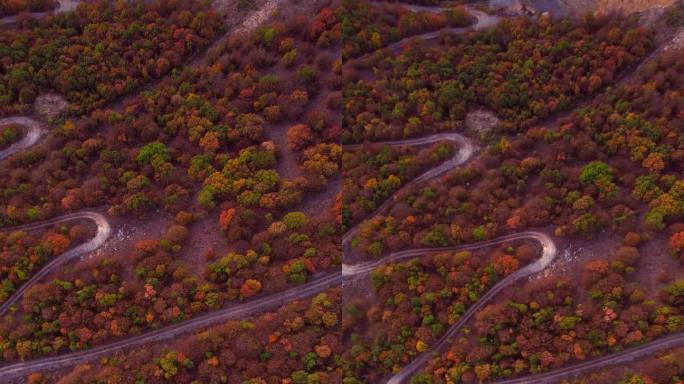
(548, 254)
(464, 152)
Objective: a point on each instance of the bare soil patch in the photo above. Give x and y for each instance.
(655, 261)
(204, 238)
(49, 105)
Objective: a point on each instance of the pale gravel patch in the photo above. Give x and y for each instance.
(563, 262)
(49, 105)
(481, 121)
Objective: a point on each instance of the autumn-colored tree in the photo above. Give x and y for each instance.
(299, 136)
(250, 288)
(226, 218)
(57, 243)
(677, 244)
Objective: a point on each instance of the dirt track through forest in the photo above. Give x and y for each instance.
(549, 253)
(321, 283)
(33, 131)
(64, 6)
(104, 230)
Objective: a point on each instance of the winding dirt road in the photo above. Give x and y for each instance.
(34, 131)
(482, 21)
(238, 311)
(549, 253)
(465, 151)
(64, 6)
(102, 234)
(12, 371)
(611, 360)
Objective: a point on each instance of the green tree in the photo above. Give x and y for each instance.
(595, 171)
(153, 152)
